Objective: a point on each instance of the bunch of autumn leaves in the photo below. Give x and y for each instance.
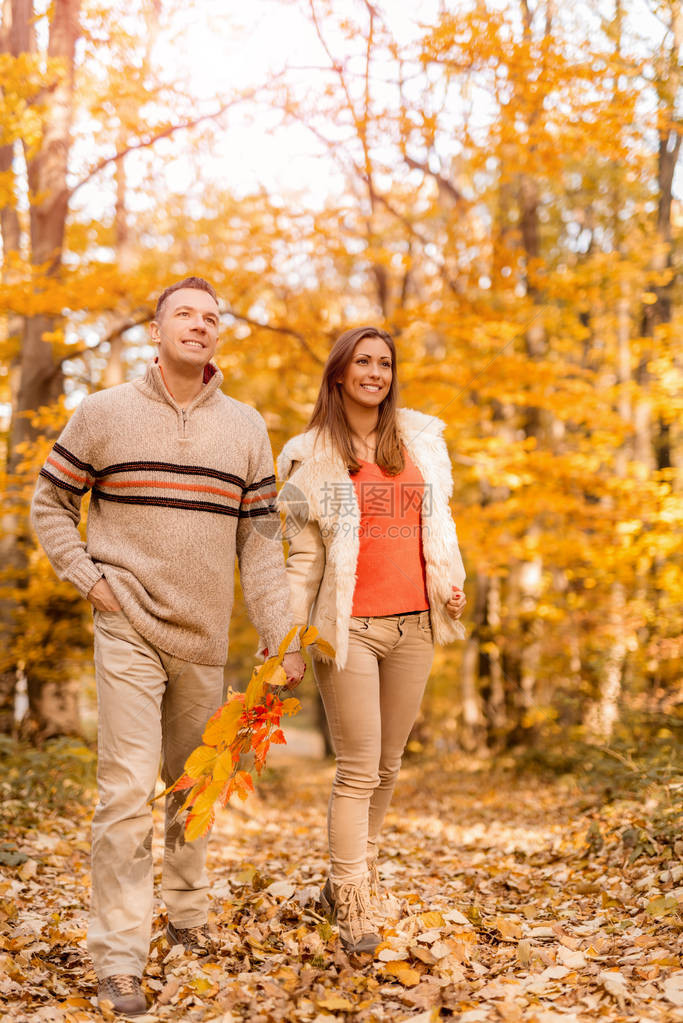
(245, 726)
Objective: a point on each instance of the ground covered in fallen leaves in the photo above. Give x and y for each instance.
(519, 897)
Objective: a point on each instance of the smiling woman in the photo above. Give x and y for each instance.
(376, 568)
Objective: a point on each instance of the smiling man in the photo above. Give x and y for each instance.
(180, 475)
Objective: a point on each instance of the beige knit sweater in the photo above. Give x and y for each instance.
(176, 494)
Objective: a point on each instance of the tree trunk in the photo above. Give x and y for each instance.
(10, 227)
(473, 737)
(603, 714)
(40, 374)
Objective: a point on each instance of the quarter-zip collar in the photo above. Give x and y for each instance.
(153, 385)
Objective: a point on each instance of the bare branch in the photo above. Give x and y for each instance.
(164, 133)
(108, 338)
(274, 328)
(441, 181)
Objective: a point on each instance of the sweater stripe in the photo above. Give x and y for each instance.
(267, 481)
(253, 513)
(170, 467)
(261, 499)
(164, 485)
(269, 495)
(167, 502)
(253, 500)
(69, 457)
(164, 518)
(67, 472)
(62, 483)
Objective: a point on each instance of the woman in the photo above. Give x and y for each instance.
(374, 564)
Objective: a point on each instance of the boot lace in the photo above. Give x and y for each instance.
(373, 878)
(123, 984)
(354, 910)
(194, 937)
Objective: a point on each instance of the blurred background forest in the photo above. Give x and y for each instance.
(493, 181)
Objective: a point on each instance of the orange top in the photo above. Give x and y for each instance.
(391, 576)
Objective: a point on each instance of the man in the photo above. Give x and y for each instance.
(181, 476)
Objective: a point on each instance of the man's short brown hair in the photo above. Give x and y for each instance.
(189, 282)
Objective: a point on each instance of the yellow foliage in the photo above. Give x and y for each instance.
(199, 761)
(286, 642)
(255, 689)
(223, 766)
(222, 727)
(199, 823)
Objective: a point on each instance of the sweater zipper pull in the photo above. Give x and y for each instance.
(184, 414)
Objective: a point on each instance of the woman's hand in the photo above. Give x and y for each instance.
(456, 604)
(295, 668)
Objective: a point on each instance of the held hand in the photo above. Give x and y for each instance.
(456, 604)
(102, 596)
(295, 668)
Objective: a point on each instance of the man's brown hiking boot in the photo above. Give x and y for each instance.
(125, 994)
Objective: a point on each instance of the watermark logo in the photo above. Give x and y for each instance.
(279, 527)
(377, 499)
(339, 507)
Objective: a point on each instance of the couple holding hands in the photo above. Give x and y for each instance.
(181, 481)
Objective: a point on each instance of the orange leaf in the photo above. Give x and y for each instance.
(278, 737)
(227, 792)
(244, 784)
(403, 973)
(184, 782)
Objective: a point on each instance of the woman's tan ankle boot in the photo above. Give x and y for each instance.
(348, 902)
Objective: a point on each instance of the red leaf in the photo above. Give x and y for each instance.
(184, 782)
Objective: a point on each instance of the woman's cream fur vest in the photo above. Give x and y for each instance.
(323, 525)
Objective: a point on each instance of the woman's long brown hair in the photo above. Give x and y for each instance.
(328, 414)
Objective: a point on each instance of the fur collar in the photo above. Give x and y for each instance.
(416, 429)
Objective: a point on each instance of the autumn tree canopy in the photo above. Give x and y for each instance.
(495, 185)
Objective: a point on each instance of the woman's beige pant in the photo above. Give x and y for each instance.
(152, 708)
(371, 705)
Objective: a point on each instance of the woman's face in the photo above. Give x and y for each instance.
(367, 378)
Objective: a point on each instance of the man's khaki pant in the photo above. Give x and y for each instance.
(371, 705)
(152, 708)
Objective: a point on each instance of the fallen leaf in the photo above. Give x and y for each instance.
(615, 984)
(403, 973)
(431, 920)
(28, 870)
(335, 1003)
(508, 929)
(673, 988)
(572, 960)
(388, 955)
(283, 889)
(169, 991)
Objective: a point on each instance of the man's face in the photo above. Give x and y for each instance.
(187, 330)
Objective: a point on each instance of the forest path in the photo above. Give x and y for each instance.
(518, 902)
